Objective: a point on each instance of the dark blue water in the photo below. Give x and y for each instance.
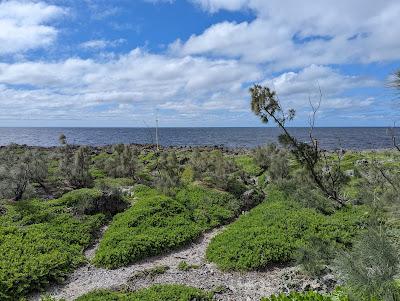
(330, 138)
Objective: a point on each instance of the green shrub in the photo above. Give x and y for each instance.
(40, 242)
(157, 223)
(247, 164)
(184, 266)
(151, 273)
(170, 292)
(274, 230)
(108, 201)
(307, 296)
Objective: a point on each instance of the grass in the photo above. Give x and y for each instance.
(274, 230)
(40, 242)
(169, 292)
(156, 223)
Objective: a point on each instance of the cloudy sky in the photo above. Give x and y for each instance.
(115, 63)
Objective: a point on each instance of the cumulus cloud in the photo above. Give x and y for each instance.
(25, 25)
(139, 78)
(293, 34)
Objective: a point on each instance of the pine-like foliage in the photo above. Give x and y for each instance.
(19, 169)
(123, 163)
(168, 179)
(369, 270)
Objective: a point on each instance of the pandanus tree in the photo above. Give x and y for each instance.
(266, 105)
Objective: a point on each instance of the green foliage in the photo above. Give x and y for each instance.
(75, 166)
(150, 273)
(108, 201)
(370, 268)
(40, 242)
(306, 296)
(275, 229)
(123, 163)
(20, 169)
(169, 292)
(247, 164)
(184, 266)
(168, 179)
(187, 176)
(157, 223)
(272, 159)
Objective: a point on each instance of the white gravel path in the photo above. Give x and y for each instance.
(238, 286)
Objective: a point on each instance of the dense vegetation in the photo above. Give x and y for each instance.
(274, 231)
(156, 292)
(165, 199)
(41, 242)
(158, 223)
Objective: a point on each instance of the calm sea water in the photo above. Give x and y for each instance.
(330, 138)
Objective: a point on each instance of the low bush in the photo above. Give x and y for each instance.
(273, 232)
(306, 296)
(157, 223)
(108, 201)
(170, 292)
(40, 242)
(184, 266)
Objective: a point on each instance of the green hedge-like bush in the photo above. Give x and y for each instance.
(157, 223)
(40, 242)
(307, 296)
(155, 293)
(274, 230)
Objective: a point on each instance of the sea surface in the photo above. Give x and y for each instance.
(330, 138)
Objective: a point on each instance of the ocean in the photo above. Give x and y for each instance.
(357, 138)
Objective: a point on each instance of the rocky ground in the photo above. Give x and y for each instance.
(164, 269)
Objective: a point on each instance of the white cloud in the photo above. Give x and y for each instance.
(292, 34)
(139, 78)
(101, 44)
(24, 25)
(215, 5)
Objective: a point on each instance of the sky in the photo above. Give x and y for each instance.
(121, 63)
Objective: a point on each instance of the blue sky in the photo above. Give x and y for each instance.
(117, 63)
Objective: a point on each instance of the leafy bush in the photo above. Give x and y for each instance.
(40, 242)
(274, 230)
(247, 164)
(170, 292)
(307, 296)
(92, 201)
(157, 223)
(184, 266)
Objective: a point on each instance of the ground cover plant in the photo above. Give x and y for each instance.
(157, 223)
(157, 292)
(305, 296)
(274, 231)
(41, 242)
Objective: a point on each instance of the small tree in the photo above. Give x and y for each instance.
(168, 179)
(265, 104)
(369, 270)
(274, 160)
(123, 163)
(74, 166)
(19, 170)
